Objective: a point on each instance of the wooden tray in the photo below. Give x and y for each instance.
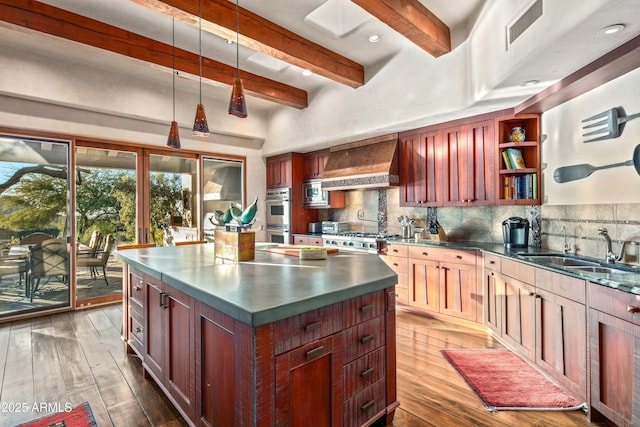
(294, 250)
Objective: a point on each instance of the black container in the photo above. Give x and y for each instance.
(515, 232)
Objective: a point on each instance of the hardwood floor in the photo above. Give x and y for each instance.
(77, 357)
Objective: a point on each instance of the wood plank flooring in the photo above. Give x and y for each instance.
(77, 357)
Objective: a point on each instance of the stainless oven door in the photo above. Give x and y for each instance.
(278, 212)
(278, 235)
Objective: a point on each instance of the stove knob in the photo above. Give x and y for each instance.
(350, 243)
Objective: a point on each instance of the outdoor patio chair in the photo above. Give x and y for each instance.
(11, 267)
(35, 238)
(100, 260)
(48, 259)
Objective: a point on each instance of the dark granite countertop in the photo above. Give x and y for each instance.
(629, 282)
(269, 288)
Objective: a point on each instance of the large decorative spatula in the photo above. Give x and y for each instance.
(611, 125)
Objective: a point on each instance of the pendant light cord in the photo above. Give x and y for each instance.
(200, 44)
(173, 63)
(237, 41)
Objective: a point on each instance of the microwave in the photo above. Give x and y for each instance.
(313, 194)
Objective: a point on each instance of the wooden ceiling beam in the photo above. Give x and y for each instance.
(259, 34)
(414, 21)
(70, 26)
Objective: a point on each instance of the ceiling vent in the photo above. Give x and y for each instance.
(524, 21)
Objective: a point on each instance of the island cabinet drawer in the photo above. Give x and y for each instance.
(397, 250)
(363, 308)
(135, 309)
(621, 304)
(363, 372)
(136, 287)
(398, 264)
(136, 335)
(363, 338)
(362, 407)
(518, 270)
(566, 286)
(492, 262)
(298, 330)
(447, 255)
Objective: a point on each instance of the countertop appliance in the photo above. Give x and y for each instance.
(334, 227)
(315, 228)
(515, 232)
(372, 243)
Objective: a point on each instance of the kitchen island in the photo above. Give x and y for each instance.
(267, 342)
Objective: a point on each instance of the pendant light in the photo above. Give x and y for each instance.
(200, 126)
(237, 105)
(174, 136)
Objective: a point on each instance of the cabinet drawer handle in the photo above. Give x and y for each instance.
(425, 253)
(312, 326)
(366, 308)
(395, 250)
(367, 405)
(138, 330)
(162, 295)
(492, 262)
(367, 373)
(366, 339)
(633, 309)
(136, 288)
(315, 352)
(395, 264)
(458, 256)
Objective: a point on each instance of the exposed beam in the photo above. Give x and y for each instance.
(611, 65)
(60, 23)
(414, 21)
(219, 18)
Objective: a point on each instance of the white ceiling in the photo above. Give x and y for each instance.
(306, 17)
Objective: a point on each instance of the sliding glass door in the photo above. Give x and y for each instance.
(34, 225)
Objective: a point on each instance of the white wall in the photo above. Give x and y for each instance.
(565, 146)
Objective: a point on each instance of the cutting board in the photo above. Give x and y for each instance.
(294, 250)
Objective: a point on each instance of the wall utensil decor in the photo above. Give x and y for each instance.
(611, 125)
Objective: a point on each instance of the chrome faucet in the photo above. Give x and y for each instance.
(610, 257)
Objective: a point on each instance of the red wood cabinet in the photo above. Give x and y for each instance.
(279, 171)
(331, 366)
(397, 259)
(518, 317)
(420, 170)
(314, 163)
(308, 240)
(493, 294)
(614, 322)
(519, 186)
(169, 342)
(444, 281)
(561, 330)
(468, 158)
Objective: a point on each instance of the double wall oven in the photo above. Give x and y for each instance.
(278, 209)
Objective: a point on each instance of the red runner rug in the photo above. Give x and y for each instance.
(79, 416)
(504, 381)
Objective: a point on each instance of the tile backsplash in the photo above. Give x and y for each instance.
(378, 211)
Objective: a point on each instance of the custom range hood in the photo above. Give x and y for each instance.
(372, 163)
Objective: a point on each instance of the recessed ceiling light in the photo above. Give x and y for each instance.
(611, 29)
(530, 83)
(306, 73)
(374, 38)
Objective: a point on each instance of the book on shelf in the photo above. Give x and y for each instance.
(515, 158)
(505, 158)
(520, 187)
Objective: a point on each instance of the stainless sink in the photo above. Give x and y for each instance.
(559, 260)
(599, 269)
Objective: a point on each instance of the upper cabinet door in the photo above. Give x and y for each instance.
(419, 170)
(279, 171)
(468, 155)
(314, 163)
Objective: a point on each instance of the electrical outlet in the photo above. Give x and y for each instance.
(360, 214)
